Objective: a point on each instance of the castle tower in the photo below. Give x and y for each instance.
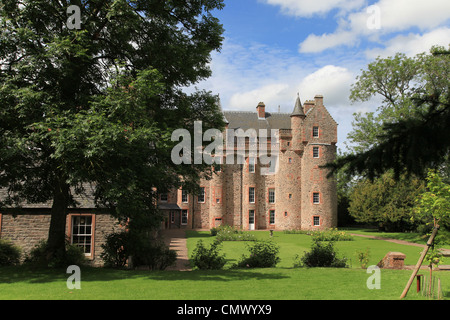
(319, 195)
(288, 179)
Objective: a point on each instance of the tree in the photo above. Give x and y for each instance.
(410, 131)
(434, 206)
(97, 105)
(385, 201)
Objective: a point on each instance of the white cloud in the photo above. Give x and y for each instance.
(393, 16)
(269, 94)
(308, 8)
(314, 43)
(412, 44)
(404, 14)
(332, 82)
(246, 75)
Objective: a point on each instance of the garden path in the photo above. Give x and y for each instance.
(176, 240)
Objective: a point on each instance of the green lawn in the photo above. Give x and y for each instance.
(280, 283)
(292, 244)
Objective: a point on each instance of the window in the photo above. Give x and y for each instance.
(184, 196)
(285, 214)
(272, 216)
(251, 165)
(82, 233)
(201, 196)
(316, 221)
(271, 195)
(251, 195)
(290, 160)
(217, 194)
(251, 217)
(184, 217)
(315, 132)
(316, 198)
(163, 197)
(315, 152)
(288, 143)
(290, 195)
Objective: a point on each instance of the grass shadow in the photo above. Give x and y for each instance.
(26, 274)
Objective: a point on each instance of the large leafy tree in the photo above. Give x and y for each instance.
(386, 202)
(97, 105)
(409, 132)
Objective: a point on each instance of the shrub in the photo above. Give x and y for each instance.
(331, 235)
(263, 254)
(115, 251)
(321, 255)
(294, 231)
(9, 253)
(73, 255)
(363, 258)
(208, 259)
(228, 233)
(214, 231)
(154, 254)
(144, 251)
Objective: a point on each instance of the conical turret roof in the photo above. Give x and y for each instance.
(298, 109)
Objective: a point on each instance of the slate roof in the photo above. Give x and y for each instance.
(84, 201)
(247, 120)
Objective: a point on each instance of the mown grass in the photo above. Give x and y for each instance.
(297, 244)
(253, 284)
(280, 283)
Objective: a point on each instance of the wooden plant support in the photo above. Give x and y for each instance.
(419, 263)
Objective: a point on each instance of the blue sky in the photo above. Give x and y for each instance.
(276, 48)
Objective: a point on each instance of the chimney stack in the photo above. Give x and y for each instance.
(261, 109)
(319, 100)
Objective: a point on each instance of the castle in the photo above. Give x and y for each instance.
(298, 195)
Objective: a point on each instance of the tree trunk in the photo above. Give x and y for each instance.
(57, 232)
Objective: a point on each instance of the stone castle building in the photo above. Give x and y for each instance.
(297, 196)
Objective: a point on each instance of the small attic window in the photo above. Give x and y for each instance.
(315, 132)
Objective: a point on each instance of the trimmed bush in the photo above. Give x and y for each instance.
(9, 253)
(263, 254)
(208, 258)
(321, 255)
